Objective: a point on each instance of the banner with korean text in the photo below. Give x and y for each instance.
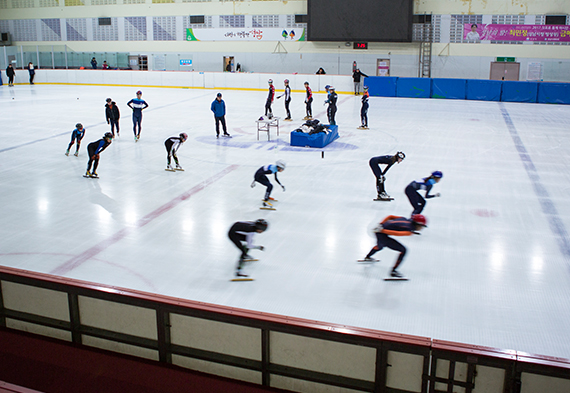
(544, 33)
(246, 34)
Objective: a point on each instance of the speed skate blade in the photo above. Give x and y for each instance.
(384, 199)
(170, 170)
(396, 279)
(241, 279)
(267, 208)
(368, 260)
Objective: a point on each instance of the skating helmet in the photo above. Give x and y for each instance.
(327, 87)
(331, 87)
(184, 136)
(281, 164)
(400, 155)
(108, 135)
(306, 83)
(270, 81)
(286, 81)
(365, 87)
(419, 219)
(437, 174)
(108, 100)
(139, 92)
(79, 125)
(262, 225)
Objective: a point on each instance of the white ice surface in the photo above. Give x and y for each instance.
(492, 268)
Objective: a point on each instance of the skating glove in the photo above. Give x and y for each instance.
(283, 187)
(261, 248)
(253, 184)
(378, 228)
(437, 195)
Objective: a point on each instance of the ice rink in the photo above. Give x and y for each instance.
(492, 268)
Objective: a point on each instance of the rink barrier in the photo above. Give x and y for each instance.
(469, 89)
(261, 348)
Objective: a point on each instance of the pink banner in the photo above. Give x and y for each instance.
(551, 33)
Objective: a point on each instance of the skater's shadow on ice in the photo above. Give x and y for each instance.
(97, 197)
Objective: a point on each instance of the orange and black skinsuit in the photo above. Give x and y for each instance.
(393, 226)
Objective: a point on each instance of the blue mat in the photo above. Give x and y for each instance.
(413, 87)
(554, 93)
(515, 91)
(381, 86)
(448, 88)
(484, 90)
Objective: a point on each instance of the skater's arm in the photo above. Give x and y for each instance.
(145, 105)
(428, 189)
(129, 104)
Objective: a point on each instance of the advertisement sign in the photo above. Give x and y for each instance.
(549, 33)
(185, 63)
(247, 34)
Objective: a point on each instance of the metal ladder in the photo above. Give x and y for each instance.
(424, 70)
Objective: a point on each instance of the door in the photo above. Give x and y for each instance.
(505, 71)
(382, 67)
(228, 64)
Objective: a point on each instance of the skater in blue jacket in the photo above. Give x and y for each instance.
(418, 202)
(261, 177)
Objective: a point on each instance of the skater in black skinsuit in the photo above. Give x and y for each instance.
(308, 102)
(270, 98)
(261, 177)
(380, 175)
(331, 110)
(287, 95)
(94, 149)
(242, 232)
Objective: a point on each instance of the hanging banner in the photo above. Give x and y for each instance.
(549, 33)
(252, 34)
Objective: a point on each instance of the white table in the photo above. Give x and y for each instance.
(266, 124)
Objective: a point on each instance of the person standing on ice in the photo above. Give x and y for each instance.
(242, 232)
(381, 174)
(76, 136)
(270, 98)
(137, 105)
(287, 95)
(418, 202)
(395, 226)
(308, 102)
(261, 177)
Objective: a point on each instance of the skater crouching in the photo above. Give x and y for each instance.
(242, 232)
(76, 135)
(172, 144)
(396, 226)
(380, 174)
(94, 149)
(261, 177)
(418, 202)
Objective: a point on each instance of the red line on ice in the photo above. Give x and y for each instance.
(78, 260)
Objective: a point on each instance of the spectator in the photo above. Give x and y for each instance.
(94, 63)
(321, 71)
(10, 73)
(105, 65)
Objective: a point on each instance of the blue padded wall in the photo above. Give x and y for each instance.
(413, 87)
(448, 88)
(484, 90)
(554, 93)
(381, 86)
(515, 91)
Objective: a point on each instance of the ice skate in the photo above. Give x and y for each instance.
(94, 175)
(267, 205)
(67, 152)
(169, 168)
(396, 276)
(369, 259)
(227, 135)
(239, 276)
(287, 119)
(76, 154)
(249, 258)
(179, 168)
(383, 197)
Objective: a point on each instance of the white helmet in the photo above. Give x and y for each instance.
(281, 164)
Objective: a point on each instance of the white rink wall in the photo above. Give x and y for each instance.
(193, 79)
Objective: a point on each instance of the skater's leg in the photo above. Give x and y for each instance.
(287, 108)
(95, 165)
(223, 121)
(135, 124)
(218, 120)
(237, 239)
(380, 237)
(310, 107)
(396, 246)
(175, 159)
(416, 200)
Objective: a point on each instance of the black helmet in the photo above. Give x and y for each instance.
(401, 155)
(79, 125)
(261, 225)
(108, 135)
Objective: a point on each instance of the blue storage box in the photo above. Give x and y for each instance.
(319, 139)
